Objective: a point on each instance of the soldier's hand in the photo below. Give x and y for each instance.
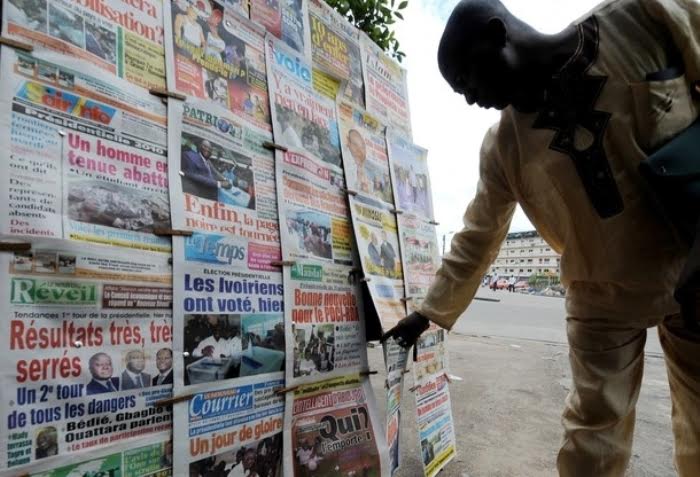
(407, 331)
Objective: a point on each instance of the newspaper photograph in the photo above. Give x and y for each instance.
(85, 159)
(421, 257)
(231, 430)
(366, 162)
(335, 52)
(145, 457)
(435, 426)
(302, 119)
(378, 245)
(431, 354)
(331, 428)
(386, 92)
(410, 176)
(124, 38)
(88, 349)
(286, 20)
(395, 360)
(313, 210)
(326, 337)
(219, 55)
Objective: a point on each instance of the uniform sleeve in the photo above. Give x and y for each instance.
(475, 247)
(682, 19)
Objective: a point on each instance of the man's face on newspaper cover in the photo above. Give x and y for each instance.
(164, 360)
(136, 362)
(102, 367)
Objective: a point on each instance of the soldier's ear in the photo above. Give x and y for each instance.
(496, 32)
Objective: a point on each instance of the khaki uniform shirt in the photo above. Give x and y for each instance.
(577, 180)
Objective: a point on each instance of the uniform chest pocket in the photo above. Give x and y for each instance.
(662, 109)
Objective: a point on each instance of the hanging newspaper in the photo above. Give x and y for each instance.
(325, 336)
(410, 176)
(232, 430)
(395, 359)
(122, 37)
(85, 159)
(144, 457)
(302, 119)
(435, 426)
(287, 20)
(365, 157)
(419, 251)
(335, 50)
(378, 245)
(87, 344)
(228, 296)
(218, 55)
(313, 209)
(386, 93)
(331, 429)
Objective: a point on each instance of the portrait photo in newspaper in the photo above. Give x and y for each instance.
(366, 162)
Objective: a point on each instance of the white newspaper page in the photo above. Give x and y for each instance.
(386, 92)
(228, 305)
(331, 428)
(215, 53)
(85, 158)
(302, 119)
(87, 343)
(336, 55)
(410, 176)
(231, 429)
(124, 38)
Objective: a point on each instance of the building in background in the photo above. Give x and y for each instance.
(524, 254)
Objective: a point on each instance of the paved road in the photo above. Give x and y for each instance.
(524, 316)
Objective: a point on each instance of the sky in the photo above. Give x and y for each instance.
(442, 121)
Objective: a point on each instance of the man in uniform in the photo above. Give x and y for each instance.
(580, 110)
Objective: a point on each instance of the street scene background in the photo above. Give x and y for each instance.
(512, 359)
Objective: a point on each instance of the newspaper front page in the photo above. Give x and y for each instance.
(378, 245)
(386, 92)
(124, 38)
(232, 429)
(331, 428)
(302, 119)
(228, 307)
(365, 156)
(86, 158)
(410, 176)
(335, 51)
(215, 53)
(435, 425)
(88, 341)
(421, 258)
